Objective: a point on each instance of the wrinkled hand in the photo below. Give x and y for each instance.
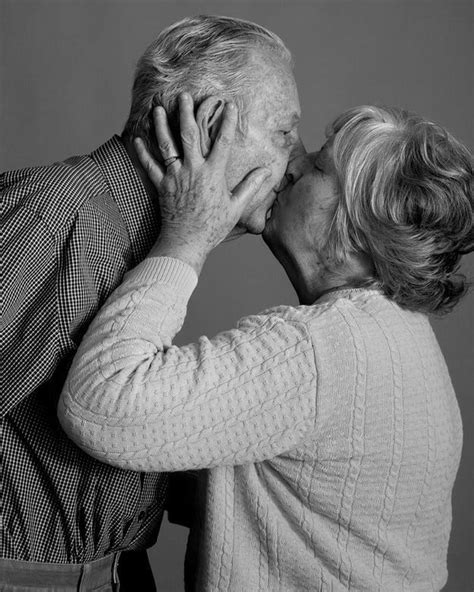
(197, 209)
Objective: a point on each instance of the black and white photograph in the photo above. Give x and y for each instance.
(237, 313)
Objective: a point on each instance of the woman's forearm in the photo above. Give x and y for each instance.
(191, 252)
(134, 400)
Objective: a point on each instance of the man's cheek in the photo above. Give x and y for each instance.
(281, 158)
(261, 202)
(276, 162)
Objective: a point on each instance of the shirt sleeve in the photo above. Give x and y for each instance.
(30, 343)
(54, 277)
(134, 400)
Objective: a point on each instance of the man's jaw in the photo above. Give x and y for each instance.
(236, 232)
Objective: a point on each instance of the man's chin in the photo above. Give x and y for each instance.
(250, 227)
(235, 233)
(239, 231)
(259, 225)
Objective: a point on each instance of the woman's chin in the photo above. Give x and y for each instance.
(268, 232)
(270, 235)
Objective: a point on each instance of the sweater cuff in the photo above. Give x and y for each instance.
(166, 270)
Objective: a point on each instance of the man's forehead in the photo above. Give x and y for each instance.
(286, 112)
(275, 96)
(282, 103)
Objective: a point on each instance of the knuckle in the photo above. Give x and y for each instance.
(148, 167)
(224, 140)
(169, 187)
(188, 137)
(164, 147)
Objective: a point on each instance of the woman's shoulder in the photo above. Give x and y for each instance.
(360, 311)
(332, 302)
(365, 302)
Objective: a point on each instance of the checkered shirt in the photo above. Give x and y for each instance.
(69, 233)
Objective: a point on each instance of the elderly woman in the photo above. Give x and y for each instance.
(330, 431)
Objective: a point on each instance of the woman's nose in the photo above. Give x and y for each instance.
(297, 167)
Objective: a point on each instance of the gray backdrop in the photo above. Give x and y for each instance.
(66, 71)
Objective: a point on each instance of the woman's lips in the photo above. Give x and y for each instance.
(270, 209)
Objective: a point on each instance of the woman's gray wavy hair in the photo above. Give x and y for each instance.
(203, 55)
(406, 201)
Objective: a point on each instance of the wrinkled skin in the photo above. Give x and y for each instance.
(198, 211)
(270, 140)
(301, 215)
(298, 227)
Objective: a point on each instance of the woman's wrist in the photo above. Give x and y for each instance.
(191, 252)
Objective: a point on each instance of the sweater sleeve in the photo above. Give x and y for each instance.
(134, 400)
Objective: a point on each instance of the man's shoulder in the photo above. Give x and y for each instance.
(55, 192)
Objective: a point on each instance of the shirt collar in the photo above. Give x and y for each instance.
(139, 211)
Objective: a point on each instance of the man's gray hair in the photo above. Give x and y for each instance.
(204, 55)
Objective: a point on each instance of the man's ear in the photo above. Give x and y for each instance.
(208, 118)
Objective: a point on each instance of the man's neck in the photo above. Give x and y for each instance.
(149, 187)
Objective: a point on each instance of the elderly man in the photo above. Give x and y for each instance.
(71, 231)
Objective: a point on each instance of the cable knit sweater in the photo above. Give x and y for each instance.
(330, 432)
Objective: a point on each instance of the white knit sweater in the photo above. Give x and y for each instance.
(331, 432)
